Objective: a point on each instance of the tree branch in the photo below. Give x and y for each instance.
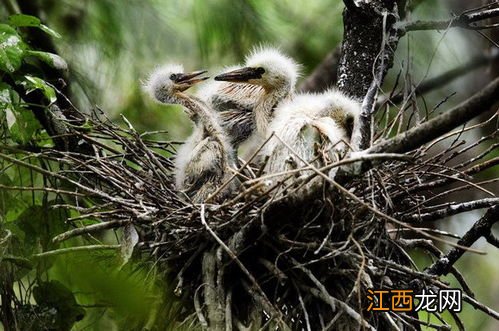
(453, 209)
(89, 229)
(479, 103)
(466, 20)
(362, 133)
(491, 239)
(70, 250)
(443, 181)
(52, 117)
(215, 315)
(480, 229)
(368, 47)
(448, 76)
(362, 42)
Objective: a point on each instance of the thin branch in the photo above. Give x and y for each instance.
(321, 291)
(70, 250)
(373, 209)
(452, 209)
(362, 135)
(255, 287)
(477, 305)
(481, 228)
(465, 21)
(351, 159)
(199, 310)
(440, 182)
(448, 76)
(89, 229)
(43, 189)
(429, 230)
(477, 104)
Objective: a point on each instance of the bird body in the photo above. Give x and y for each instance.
(253, 91)
(235, 104)
(203, 161)
(315, 127)
(252, 102)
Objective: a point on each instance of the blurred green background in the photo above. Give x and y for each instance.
(111, 46)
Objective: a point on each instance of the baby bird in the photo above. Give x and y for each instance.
(316, 127)
(234, 104)
(203, 161)
(252, 92)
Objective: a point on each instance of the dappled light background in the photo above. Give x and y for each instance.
(111, 46)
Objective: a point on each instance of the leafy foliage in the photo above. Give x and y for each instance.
(49, 297)
(28, 222)
(11, 49)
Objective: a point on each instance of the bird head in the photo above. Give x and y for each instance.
(166, 82)
(266, 67)
(342, 109)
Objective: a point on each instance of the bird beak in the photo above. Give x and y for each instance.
(328, 127)
(184, 81)
(240, 75)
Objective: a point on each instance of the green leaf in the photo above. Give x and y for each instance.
(39, 225)
(32, 83)
(21, 122)
(12, 204)
(55, 295)
(6, 199)
(32, 21)
(86, 126)
(11, 49)
(51, 59)
(43, 139)
(18, 261)
(24, 20)
(7, 95)
(13, 263)
(32, 233)
(49, 31)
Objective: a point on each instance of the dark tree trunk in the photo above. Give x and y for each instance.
(362, 43)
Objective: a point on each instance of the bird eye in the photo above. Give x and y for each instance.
(260, 70)
(173, 76)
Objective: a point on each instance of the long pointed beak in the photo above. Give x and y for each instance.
(240, 75)
(186, 80)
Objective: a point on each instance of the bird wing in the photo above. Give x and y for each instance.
(238, 124)
(240, 97)
(204, 167)
(235, 104)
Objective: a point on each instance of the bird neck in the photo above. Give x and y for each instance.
(264, 110)
(202, 115)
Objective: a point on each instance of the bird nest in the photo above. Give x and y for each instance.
(271, 256)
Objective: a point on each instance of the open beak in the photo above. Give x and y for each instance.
(186, 80)
(240, 75)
